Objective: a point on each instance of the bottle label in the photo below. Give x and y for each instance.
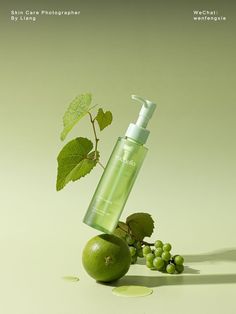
(128, 162)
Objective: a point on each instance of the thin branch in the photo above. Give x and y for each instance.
(95, 135)
(147, 243)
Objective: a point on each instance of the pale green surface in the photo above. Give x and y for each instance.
(188, 178)
(71, 278)
(132, 291)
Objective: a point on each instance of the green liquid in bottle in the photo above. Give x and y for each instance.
(115, 185)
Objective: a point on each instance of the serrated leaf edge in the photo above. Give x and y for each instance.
(64, 134)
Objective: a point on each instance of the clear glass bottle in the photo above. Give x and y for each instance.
(120, 173)
(115, 185)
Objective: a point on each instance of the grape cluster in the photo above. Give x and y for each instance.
(161, 259)
(158, 258)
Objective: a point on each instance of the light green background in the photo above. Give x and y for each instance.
(187, 183)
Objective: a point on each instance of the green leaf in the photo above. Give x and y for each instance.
(77, 109)
(75, 160)
(119, 233)
(123, 226)
(141, 225)
(121, 230)
(103, 118)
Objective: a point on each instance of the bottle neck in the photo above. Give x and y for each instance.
(137, 133)
(133, 141)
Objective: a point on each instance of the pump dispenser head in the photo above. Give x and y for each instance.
(138, 131)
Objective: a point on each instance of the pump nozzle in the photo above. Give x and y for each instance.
(146, 112)
(138, 131)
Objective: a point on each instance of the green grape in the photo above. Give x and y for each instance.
(179, 268)
(158, 251)
(170, 268)
(132, 250)
(167, 247)
(158, 263)
(158, 244)
(166, 256)
(140, 252)
(150, 257)
(138, 245)
(164, 267)
(129, 239)
(149, 264)
(133, 259)
(179, 260)
(146, 250)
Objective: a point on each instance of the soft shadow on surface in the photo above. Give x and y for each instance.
(173, 280)
(224, 255)
(190, 270)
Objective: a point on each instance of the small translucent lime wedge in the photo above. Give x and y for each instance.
(132, 291)
(70, 278)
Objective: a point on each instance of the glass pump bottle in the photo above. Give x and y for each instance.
(120, 173)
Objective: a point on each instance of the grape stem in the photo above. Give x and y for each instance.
(142, 242)
(147, 243)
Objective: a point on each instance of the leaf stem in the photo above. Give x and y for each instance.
(95, 134)
(96, 139)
